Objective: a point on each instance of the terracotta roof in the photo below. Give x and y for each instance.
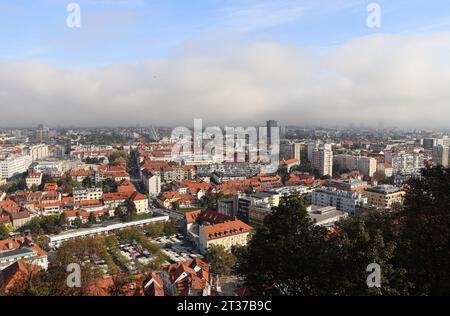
(225, 229)
(19, 271)
(192, 216)
(50, 186)
(136, 196)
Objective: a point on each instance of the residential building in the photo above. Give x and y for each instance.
(140, 201)
(205, 228)
(87, 194)
(405, 163)
(13, 214)
(13, 165)
(322, 160)
(367, 166)
(152, 182)
(440, 155)
(290, 150)
(349, 185)
(345, 162)
(34, 178)
(291, 163)
(189, 278)
(226, 234)
(384, 196)
(21, 249)
(37, 152)
(227, 207)
(345, 201)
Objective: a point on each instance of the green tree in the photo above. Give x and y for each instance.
(175, 206)
(210, 200)
(62, 219)
(46, 179)
(360, 242)
(92, 218)
(170, 228)
(287, 255)
(77, 222)
(4, 233)
(221, 261)
(131, 210)
(87, 182)
(426, 232)
(155, 230)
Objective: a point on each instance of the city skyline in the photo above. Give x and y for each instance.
(165, 63)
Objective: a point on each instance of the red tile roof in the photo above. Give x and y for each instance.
(226, 229)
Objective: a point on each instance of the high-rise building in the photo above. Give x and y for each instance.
(405, 163)
(289, 150)
(429, 143)
(270, 124)
(311, 147)
(445, 141)
(322, 160)
(37, 152)
(297, 151)
(440, 155)
(367, 166)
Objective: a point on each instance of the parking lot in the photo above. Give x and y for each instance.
(177, 248)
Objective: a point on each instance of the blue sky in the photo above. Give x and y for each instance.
(226, 61)
(121, 31)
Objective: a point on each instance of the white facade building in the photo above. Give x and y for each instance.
(344, 201)
(39, 151)
(405, 163)
(14, 165)
(322, 160)
(87, 194)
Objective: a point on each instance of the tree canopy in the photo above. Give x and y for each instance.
(289, 255)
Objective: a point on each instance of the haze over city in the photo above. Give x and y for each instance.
(239, 62)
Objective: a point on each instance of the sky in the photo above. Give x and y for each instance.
(229, 62)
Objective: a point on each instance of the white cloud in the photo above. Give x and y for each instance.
(400, 80)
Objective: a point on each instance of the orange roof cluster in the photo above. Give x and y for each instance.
(184, 277)
(226, 229)
(202, 216)
(196, 185)
(80, 173)
(17, 273)
(50, 187)
(126, 186)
